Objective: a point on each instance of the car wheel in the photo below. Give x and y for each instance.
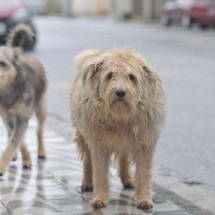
(166, 20)
(203, 26)
(186, 21)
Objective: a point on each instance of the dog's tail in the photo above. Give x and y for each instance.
(21, 36)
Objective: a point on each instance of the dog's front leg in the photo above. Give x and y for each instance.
(143, 161)
(100, 163)
(19, 125)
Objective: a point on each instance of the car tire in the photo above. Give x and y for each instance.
(203, 26)
(186, 21)
(166, 20)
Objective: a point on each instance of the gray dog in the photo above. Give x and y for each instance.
(23, 86)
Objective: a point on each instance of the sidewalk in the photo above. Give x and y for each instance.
(52, 187)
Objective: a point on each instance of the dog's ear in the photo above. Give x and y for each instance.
(91, 72)
(149, 74)
(89, 64)
(86, 56)
(91, 78)
(150, 80)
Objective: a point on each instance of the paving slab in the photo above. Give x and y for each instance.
(52, 186)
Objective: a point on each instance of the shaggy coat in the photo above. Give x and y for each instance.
(118, 106)
(22, 92)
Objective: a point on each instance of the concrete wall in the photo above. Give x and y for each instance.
(151, 9)
(121, 8)
(80, 7)
(86, 7)
(147, 10)
(103, 6)
(159, 8)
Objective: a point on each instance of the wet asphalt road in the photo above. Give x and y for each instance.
(186, 62)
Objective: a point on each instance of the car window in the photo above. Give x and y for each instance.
(184, 2)
(40, 2)
(8, 3)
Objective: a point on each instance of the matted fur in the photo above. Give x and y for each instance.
(108, 122)
(23, 86)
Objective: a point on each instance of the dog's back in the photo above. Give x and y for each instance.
(27, 73)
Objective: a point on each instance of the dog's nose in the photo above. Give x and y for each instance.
(120, 93)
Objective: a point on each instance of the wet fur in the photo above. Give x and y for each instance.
(105, 125)
(22, 92)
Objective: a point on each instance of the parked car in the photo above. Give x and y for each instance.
(13, 12)
(188, 12)
(37, 7)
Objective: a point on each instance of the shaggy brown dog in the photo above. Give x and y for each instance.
(118, 106)
(22, 91)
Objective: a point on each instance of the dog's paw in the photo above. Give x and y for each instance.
(86, 187)
(2, 170)
(145, 204)
(26, 164)
(128, 184)
(15, 157)
(42, 155)
(96, 203)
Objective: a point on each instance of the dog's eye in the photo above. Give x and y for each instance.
(110, 76)
(3, 64)
(131, 77)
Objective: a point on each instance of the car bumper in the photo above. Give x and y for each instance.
(205, 18)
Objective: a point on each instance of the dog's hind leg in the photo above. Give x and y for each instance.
(26, 157)
(18, 124)
(25, 153)
(8, 125)
(124, 162)
(87, 180)
(41, 113)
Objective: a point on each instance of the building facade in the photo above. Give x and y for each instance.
(138, 9)
(86, 7)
